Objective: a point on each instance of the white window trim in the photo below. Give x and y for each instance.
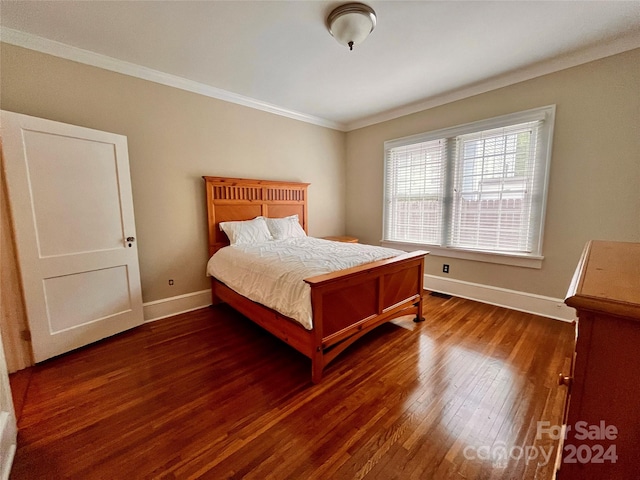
(521, 260)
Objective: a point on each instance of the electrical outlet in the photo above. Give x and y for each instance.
(170, 281)
(445, 268)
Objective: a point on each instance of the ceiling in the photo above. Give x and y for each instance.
(278, 56)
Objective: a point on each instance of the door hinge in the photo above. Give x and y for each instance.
(25, 335)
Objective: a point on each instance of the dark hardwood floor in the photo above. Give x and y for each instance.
(208, 394)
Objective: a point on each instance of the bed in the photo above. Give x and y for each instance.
(345, 305)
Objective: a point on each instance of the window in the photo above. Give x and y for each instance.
(478, 188)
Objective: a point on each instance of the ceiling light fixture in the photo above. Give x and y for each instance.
(351, 23)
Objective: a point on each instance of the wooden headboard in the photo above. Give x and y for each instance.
(232, 199)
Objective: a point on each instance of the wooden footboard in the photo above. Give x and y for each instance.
(350, 303)
(346, 305)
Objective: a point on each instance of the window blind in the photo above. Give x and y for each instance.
(495, 203)
(476, 187)
(415, 190)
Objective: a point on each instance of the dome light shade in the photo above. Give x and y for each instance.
(351, 23)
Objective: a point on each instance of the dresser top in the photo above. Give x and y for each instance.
(608, 279)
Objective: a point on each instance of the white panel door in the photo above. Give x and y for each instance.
(70, 196)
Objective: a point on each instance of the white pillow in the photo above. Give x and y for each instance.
(247, 231)
(287, 227)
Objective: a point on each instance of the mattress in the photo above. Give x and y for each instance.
(272, 273)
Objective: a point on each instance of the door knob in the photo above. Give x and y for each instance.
(130, 240)
(564, 380)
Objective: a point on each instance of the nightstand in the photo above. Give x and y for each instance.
(342, 238)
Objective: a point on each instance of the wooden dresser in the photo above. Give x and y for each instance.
(603, 408)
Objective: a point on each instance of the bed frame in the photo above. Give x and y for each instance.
(346, 304)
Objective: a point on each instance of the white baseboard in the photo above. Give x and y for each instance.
(502, 297)
(168, 307)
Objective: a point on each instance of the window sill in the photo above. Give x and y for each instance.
(527, 261)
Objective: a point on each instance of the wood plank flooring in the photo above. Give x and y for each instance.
(208, 394)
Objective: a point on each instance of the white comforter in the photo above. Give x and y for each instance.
(272, 273)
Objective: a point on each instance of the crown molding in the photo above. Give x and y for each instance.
(62, 50)
(596, 52)
(68, 52)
